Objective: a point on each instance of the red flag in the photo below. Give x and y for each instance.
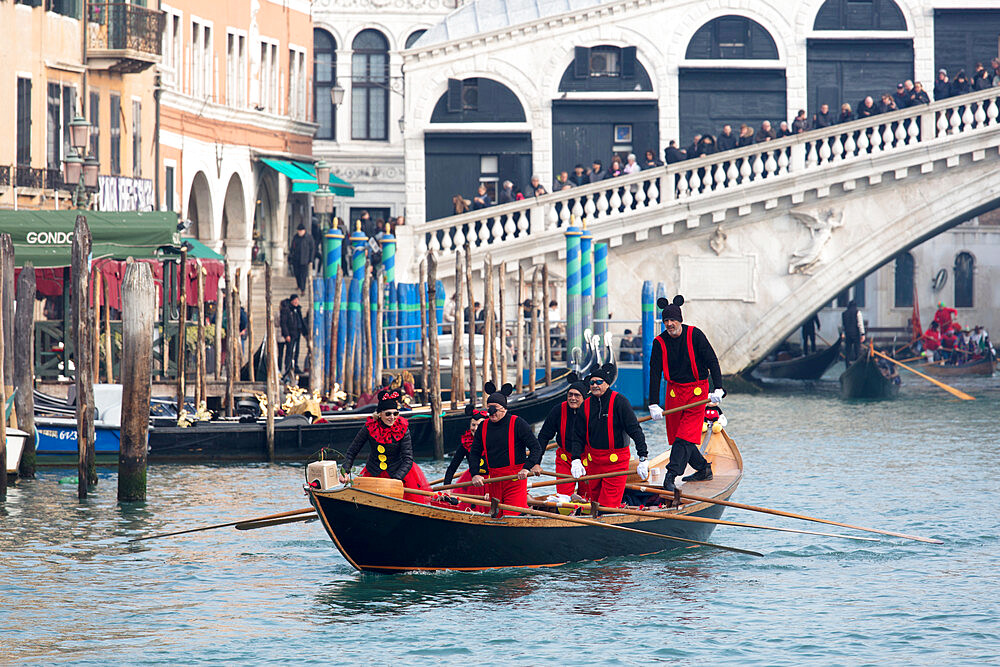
(915, 317)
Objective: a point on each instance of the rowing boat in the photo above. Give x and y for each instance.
(983, 367)
(807, 367)
(381, 533)
(864, 379)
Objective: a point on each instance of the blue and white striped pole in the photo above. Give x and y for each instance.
(648, 322)
(586, 278)
(574, 328)
(601, 287)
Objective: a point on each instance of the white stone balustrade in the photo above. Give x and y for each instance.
(515, 229)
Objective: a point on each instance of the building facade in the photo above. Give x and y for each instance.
(235, 127)
(358, 48)
(60, 62)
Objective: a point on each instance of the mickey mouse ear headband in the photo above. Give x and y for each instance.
(388, 399)
(671, 310)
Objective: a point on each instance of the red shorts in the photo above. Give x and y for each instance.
(513, 492)
(686, 424)
(609, 490)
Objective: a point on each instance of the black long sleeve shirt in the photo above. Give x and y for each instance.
(552, 427)
(462, 454)
(398, 454)
(527, 451)
(597, 426)
(679, 361)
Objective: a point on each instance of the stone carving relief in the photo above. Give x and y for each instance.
(370, 174)
(820, 224)
(717, 242)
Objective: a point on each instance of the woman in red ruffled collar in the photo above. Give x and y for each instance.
(390, 449)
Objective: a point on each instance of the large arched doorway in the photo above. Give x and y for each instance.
(869, 62)
(199, 209)
(610, 112)
(234, 218)
(457, 163)
(717, 94)
(370, 86)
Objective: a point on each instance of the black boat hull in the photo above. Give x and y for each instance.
(808, 367)
(863, 379)
(396, 535)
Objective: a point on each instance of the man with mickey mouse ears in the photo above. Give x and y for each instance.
(598, 444)
(508, 446)
(684, 358)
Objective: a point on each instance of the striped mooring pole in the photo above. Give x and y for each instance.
(574, 328)
(586, 278)
(601, 286)
(392, 303)
(648, 322)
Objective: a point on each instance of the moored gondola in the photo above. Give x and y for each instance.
(865, 379)
(379, 533)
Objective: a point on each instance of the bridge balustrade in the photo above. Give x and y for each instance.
(532, 219)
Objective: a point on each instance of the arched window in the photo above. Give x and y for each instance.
(965, 265)
(324, 79)
(414, 36)
(733, 37)
(605, 68)
(904, 281)
(859, 15)
(370, 86)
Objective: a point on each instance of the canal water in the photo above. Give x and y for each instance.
(73, 590)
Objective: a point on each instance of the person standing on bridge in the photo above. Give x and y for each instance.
(854, 331)
(685, 359)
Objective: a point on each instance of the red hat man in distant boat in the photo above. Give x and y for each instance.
(684, 358)
(463, 452)
(598, 443)
(560, 421)
(390, 450)
(508, 446)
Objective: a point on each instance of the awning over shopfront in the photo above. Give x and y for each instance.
(199, 250)
(303, 176)
(45, 237)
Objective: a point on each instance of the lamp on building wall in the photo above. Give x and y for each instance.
(323, 199)
(80, 173)
(336, 94)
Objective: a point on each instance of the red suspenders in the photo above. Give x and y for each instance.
(510, 441)
(690, 346)
(562, 425)
(611, 419)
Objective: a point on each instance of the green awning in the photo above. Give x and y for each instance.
(303, 177)
(45, 237)
(201, 251)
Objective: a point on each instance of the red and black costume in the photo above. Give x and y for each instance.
(463, 453)
(560, 423)
(599, 441)
(507, 446)
(685, 363)
(390, 450)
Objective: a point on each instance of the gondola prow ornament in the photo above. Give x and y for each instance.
(684, 358)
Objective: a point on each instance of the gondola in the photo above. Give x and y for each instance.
(981, 367)
(295, 439)
(807, 367)
(864, 379)
(380, 533)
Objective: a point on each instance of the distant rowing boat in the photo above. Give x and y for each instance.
(807, 367)
(864, 379)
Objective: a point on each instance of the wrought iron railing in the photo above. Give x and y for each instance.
(4, 175)
(28, 177)
(53, 179)
(120, 26)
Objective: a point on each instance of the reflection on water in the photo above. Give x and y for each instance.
(75, 590)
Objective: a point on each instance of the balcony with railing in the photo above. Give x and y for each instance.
(123, 37)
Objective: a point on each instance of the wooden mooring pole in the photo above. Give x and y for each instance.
(182, 330)
(437, 422)
(136, 366)
(24, 366)
(199, 381)
(501, 278)
(82, 350)
(489, 352)
(546, 330)
(473, 392)
(425, 352)
(272, 352)
(108, 357)
(220, 301)
(5, 283)
(253, 371)
(457, 331)
(533, 332)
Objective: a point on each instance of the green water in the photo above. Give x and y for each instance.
(74, 591)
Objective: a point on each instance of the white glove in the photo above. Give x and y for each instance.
(642, 470)
(576, 469)
(716, 396)
(655, 412)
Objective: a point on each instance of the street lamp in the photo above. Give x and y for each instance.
(79, 173)
(323, 199)
(336, 94)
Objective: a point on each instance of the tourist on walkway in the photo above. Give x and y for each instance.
(942, 86)
(390, 448)
(506, 194)
(672, 154)
(292, 328)
(823, 117)
(726, 141)
(684, 358)
(534, 188)
(598, 443)
(801, 123)
(300, 255)
(482, 199)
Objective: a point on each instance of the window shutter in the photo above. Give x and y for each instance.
(581, 62)
(454, 95)
(628, 62)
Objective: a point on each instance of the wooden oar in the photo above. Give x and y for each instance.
(767, 510)
(951, 390)
(701, 519)
(475, 500)
(280, 515)
(254, 525)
